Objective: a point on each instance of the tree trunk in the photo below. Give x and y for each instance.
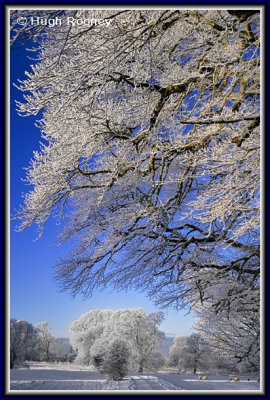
(12, 359)
(140, 367)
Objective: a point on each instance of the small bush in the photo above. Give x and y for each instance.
(71, 358)
(114, 360)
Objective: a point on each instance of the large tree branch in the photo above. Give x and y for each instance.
(221, 121)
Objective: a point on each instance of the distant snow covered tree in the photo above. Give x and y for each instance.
(47, 344)
(190, 352)
(176, 351)
(140, 331)
(93, 332)
(23, 340)
(151, 132)
(85, 331)
(197, 353)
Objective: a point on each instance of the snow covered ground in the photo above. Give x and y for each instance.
(61, 377)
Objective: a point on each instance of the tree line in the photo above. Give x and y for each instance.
(116, 342)
(196, 353)
(28, 342)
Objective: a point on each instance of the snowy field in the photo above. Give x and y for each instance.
(72, 377)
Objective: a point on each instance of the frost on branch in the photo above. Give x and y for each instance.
(152, 154)
(234, 331)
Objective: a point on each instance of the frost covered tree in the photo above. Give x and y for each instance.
(140, 331)
(85, 331)
(235, 333)
(190, 352)
(23, 340)
(93, 333)
(196, 352)
(151, 150)
(176, 351)
(209, 357)
(47, 344)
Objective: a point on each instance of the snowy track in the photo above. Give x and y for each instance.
(150, 382)
(53, 377)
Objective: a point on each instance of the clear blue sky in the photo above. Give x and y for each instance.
(34, 294)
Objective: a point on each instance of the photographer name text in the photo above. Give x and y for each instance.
(69, 21)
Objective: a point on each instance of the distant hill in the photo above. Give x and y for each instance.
(167, 343)
(65, 346)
